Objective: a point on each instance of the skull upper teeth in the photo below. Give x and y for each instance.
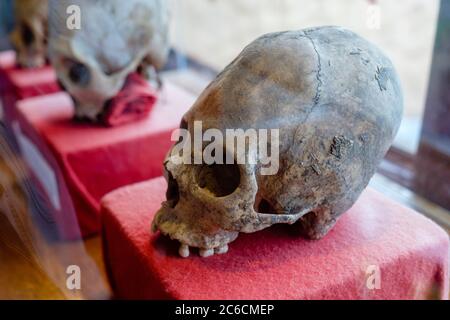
(221, 250)
(184, 250)
(206, 252)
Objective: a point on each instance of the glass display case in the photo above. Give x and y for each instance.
(54, 171)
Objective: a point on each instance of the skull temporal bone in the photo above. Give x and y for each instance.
(337, 102)
(116, 38)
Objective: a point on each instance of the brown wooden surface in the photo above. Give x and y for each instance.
(427, 172)
(22, 278)
(33, 265)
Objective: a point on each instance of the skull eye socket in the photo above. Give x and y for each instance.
(27, 35)
(219, 179)
(78, 73)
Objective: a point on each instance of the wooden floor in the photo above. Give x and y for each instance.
(22, 277)
(32, 267)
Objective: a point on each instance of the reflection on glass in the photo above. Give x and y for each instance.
(215, 31)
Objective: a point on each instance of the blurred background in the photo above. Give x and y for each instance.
(206, 36)
(215, 31)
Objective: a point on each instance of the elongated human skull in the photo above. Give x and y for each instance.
(337, 103)
(115, 39)
(29, 36)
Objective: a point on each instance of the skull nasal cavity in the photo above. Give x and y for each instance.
(173, 193)
(219, 179)
(263, 206)
(184, 124)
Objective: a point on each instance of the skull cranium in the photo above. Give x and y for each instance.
(29, 36)
(115, 39)
(337, 103)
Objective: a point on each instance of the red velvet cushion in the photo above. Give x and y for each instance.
(7, 61)
(17, 83)
(95, 160)
(134, 102)
(409, 249)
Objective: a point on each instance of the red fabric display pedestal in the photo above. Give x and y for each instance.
(377, 250)
(18, 83)
(91, 160)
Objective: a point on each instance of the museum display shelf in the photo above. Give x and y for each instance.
(18, 83)
(93, 159)
(378, 250)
